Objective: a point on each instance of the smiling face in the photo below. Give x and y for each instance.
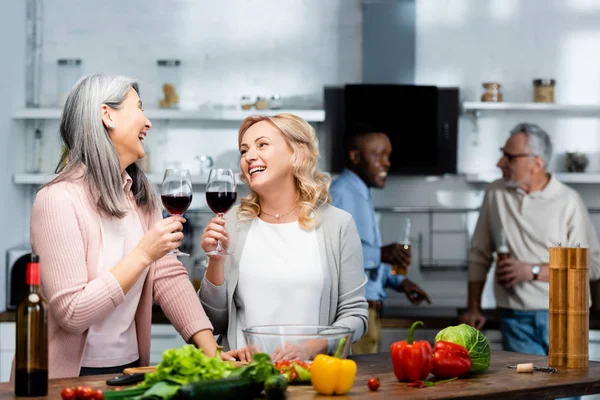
(130, 128)
(371, 159)
(266, 158)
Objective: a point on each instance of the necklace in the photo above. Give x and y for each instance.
(277, 216)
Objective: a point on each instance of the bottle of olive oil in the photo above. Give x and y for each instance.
(31, 359)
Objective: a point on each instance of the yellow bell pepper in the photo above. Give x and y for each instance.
(332, 375)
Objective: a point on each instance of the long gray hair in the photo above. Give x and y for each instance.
(90, 151)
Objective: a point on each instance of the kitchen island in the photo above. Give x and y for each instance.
(499, 382)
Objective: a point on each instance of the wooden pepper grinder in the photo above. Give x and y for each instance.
(578, 307)
(557, 310)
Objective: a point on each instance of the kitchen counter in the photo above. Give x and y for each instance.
(392, 317)
(491, 385)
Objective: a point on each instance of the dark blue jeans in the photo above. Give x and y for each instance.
(526, 332)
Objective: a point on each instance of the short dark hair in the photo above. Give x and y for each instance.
(355, 134)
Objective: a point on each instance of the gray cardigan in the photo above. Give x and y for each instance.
(343, 301)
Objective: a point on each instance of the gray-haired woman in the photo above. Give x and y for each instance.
(102, 242)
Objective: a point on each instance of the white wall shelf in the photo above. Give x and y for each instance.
(473, 107)
(201, 114)
(40, 179)
(565, 177)
(476, 108)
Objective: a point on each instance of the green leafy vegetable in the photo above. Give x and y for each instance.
(473, 340)
(188, 364)
(260, 368)
(160, 390)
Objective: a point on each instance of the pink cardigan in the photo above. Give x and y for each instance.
(65, 233)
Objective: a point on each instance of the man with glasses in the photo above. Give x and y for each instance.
(534, 211)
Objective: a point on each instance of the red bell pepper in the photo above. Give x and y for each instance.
(412, 360)
(450, 360)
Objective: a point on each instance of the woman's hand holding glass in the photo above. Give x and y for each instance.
(164, 237)
(176, 195)
(214, 232)
(220, 197)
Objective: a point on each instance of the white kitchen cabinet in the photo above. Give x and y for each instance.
(163, 337)
(7, 349)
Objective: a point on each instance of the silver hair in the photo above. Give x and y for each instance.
(538, 140)
(90, 150)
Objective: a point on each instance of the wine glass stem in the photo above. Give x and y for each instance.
(219, 246)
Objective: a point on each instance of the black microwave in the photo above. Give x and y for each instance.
(421, 122)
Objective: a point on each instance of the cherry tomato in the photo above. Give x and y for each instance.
(98, 395)
(87, 394)
(373, 384)
(79, 392)
(67, 394)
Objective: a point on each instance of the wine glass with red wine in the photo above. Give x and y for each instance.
(220, 195)
(176, 195)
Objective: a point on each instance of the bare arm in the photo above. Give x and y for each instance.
(474, 297)
(473, 316)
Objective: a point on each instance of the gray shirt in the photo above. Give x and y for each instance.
(343, 301)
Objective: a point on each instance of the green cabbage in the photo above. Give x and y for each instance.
(473, 340)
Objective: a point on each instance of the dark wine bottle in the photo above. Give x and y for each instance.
(31, 359)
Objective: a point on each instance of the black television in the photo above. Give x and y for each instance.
(421, 122)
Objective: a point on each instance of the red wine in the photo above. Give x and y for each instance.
(220, 202)
(31, 358)
(176, 204)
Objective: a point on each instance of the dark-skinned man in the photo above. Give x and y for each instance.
(367, 165)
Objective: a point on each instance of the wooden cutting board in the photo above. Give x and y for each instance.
(152, 368)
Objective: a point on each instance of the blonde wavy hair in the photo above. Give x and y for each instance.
(312, 184)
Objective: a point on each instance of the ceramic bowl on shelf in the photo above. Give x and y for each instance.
(298, 342)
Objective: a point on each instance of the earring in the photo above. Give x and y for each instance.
(111, 126)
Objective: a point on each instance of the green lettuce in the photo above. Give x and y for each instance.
(473, 340)
(188, 364)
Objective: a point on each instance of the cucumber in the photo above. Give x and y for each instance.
(124, 394)
(275, 387)
(236, 387)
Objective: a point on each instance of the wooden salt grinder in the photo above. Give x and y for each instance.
(578, 308)
(557, 310)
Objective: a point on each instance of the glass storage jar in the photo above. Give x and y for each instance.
(276, 102)
(261, 103)
(543, 90)
(246, 103)
(68, 73)
(169, 80)
(492, 92)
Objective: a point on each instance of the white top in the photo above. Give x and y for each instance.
(280, 277)
(113, 341)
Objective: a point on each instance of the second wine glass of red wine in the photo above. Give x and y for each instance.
(221, 195)
(176, 195)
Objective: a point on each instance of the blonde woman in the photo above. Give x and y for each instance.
(296, 258)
